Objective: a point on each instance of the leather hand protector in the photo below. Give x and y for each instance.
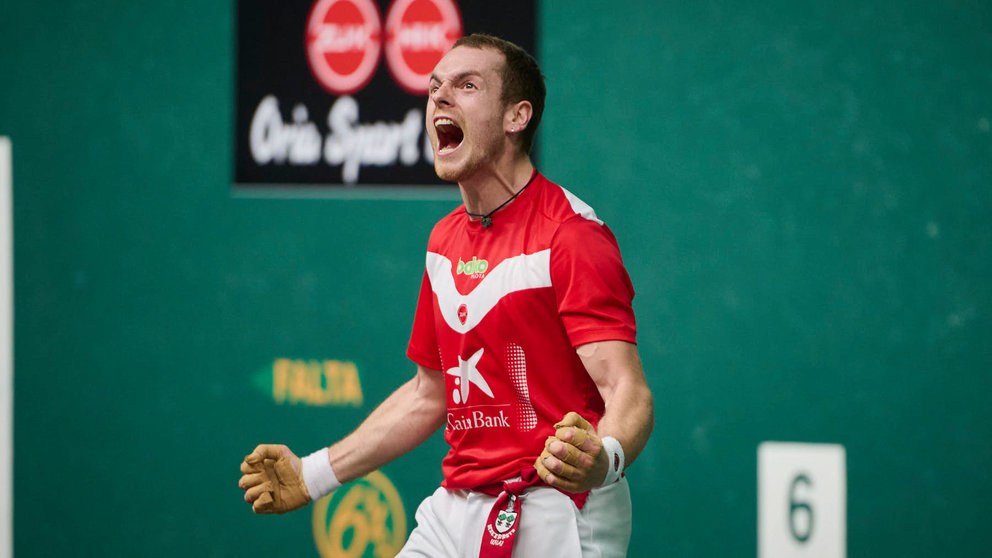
(273, 480)
(577, 457)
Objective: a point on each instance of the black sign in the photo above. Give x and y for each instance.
(332, 93)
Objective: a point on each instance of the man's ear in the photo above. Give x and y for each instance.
(517, 117)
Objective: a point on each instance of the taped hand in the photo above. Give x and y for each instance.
(573, 459)
(273, 480)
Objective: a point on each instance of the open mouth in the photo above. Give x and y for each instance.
(449, 135)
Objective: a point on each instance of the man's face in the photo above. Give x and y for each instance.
(464, 112)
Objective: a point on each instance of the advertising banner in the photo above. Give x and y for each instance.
(330, 94)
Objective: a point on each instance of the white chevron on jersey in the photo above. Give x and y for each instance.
(526, 271)
(581, 207)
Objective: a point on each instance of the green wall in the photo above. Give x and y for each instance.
(800, 190)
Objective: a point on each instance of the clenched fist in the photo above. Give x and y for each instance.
(573, 459)
(273, 480)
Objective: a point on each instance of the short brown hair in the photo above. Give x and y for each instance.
(522, 78)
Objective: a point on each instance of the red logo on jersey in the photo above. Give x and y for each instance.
(343, 41)
(418, 33)
(462, 313)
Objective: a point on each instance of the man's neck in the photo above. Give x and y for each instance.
(491, 186)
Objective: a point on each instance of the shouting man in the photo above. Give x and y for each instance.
(524, 341)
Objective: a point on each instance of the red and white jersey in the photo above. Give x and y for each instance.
(501, 311)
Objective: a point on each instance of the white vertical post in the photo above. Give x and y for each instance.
(6, 352)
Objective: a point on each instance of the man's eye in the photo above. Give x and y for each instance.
(469, 85)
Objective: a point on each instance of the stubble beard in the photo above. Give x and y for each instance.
(484, 152)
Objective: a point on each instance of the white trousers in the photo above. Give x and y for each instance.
(450, 524)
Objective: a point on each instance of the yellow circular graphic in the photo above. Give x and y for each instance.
(362, 519)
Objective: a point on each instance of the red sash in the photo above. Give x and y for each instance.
(504, 518)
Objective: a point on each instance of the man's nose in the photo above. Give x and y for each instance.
(442, 95)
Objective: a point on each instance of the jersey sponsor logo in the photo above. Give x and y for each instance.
(478, 419)
(466, 375)
(418, 33)
(475, 268)
(362, 518)
(526, 271)
(343, 42)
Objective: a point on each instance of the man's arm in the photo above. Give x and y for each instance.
(574, 459)
(616, 368)
(272, 474)
(402, 422)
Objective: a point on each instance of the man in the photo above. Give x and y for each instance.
(523, 340)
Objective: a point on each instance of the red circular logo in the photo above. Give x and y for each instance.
(418, 33)
(343, 41)
(462, 314)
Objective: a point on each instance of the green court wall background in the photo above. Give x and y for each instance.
(801, 191)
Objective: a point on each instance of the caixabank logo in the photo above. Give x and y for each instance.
(332, 92)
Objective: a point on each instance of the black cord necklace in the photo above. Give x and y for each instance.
(487, 218)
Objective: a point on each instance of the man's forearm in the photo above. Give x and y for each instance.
(629, 417)
(629, 414)
(399, 424)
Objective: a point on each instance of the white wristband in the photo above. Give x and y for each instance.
(318, 475)
(614, 452)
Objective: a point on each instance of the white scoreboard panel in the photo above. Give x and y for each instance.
(802, 500)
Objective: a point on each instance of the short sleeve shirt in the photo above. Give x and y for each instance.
(500, 313)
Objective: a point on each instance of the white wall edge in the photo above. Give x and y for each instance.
(6, 351)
